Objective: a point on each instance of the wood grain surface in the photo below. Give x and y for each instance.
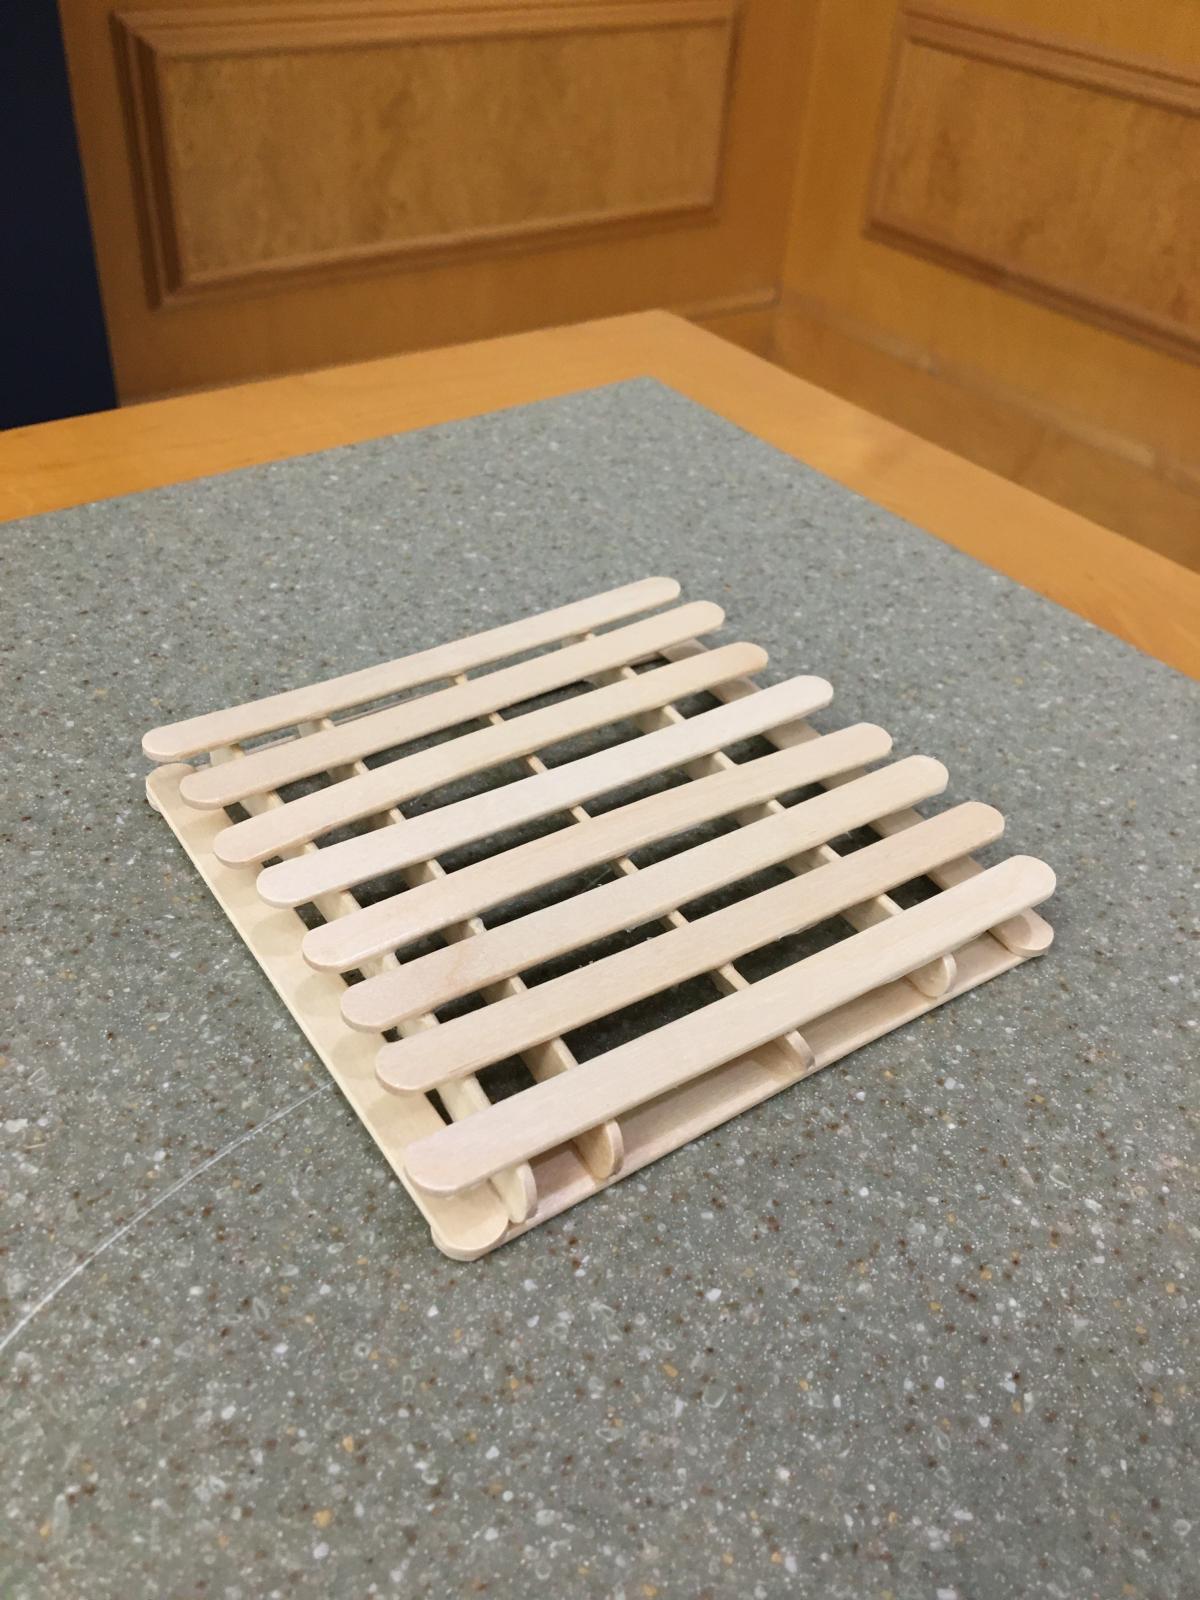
(278, 187)
(606, 1085)
(1049, 213)
(442, 975)
(989, 243)
(397, 134)
(402, 918)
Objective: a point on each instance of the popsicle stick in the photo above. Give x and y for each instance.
(789, 1054)
(177, 740)
(1026, 934)
(472, 1042)
(526, 1124)
(443, 975)
(268, 769)
(402, 918)
(314, 1000)
(375, 790)
(356, 860)
(601, 1149)
(934, 979)
(516, 1186)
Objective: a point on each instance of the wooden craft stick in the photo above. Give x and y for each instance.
(268, 769)
(474, 1041)
(1026, 934)
(402, 918)
(443, 975)
(177, 741)
(385, 849)
(374, 791)
(537, 1119)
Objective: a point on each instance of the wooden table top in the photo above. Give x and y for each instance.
(1133, 592)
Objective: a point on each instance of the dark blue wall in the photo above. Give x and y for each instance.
(54, 358)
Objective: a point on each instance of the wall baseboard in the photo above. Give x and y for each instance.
(1119, 482)
(747, 320)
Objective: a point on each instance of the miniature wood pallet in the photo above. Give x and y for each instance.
(301, 838)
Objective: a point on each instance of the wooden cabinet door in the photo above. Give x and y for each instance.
(995, 239)
(287, 184)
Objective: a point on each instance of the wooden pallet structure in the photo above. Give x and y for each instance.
(503, 977)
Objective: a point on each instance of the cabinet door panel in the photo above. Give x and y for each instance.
(284, 185)
(994, 240)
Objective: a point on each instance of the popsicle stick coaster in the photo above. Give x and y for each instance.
(558, 897)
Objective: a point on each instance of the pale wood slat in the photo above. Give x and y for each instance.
(478, 1221)
(1026, 934)
(177, 741)
(405, 917)
(375, 789)
(602, 1148)
(599, 1148)
(446, 974)
(789, 1054)
(932, 980)
(471, 1042)
(277, 764)
(358, 859)
(544, 1116)
(516, 1186)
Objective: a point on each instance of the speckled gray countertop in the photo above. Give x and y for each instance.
(920, 1327)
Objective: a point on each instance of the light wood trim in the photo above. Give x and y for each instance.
(1147, 82)
(400, 919)
(1154, 83)
(443, 975)
(390, 785)
(435, 833)
(747, 320)
(456, 1158)
(262, 29)
(1140, 596)
(179, 740)
(332, 747)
